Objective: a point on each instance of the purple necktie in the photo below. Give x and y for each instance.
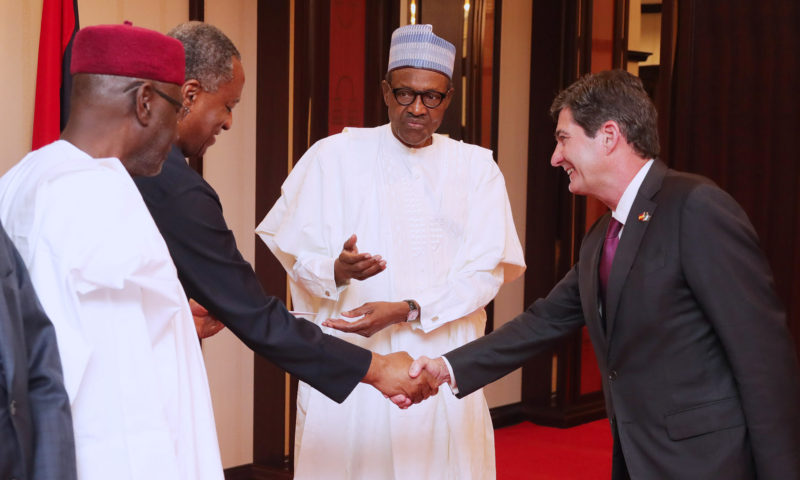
(609, 248)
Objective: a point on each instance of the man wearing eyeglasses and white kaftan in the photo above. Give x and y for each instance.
(396, 238)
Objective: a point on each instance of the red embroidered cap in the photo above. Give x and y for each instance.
(128, 51)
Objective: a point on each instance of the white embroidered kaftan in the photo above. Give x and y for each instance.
(132, 363)
(440, 217)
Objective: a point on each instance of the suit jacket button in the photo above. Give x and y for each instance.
(612, 375)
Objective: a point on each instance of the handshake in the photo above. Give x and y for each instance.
(406, 381)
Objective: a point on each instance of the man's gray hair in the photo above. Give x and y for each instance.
(209, 53)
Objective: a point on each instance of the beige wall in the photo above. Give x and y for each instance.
(19, 44)
(155, 14)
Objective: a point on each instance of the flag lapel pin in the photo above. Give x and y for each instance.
(644, 217)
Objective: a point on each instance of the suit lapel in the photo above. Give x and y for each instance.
(631, 239)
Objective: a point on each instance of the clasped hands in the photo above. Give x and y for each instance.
(406, 381)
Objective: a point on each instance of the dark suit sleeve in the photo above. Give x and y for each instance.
(732, 281)
(488, 358)
(214, 273)
(48, 405)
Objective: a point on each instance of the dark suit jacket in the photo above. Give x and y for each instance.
(188, 213)
(700, 376)
(36, 439)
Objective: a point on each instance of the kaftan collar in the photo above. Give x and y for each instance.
(394, 147)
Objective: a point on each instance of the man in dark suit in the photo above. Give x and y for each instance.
(211, 269)
(700, 376)
(36, 439)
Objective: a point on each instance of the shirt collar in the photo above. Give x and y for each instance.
(626, 201)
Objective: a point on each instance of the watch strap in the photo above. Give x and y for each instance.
(413, 310)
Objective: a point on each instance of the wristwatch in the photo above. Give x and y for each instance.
(413, 310)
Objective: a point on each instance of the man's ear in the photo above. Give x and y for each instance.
(144, 101)
(189, 91)
(610, 135)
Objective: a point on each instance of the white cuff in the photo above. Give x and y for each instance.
(315, 273)
(452, 382)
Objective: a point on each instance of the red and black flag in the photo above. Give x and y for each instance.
(53, 80)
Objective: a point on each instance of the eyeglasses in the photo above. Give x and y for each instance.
(138, 83)
(178, 104)
(406, 96)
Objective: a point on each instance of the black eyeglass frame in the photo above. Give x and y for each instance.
(177, 103)
(417, 93)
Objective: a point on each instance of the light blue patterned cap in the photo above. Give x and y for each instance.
(417, 46)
